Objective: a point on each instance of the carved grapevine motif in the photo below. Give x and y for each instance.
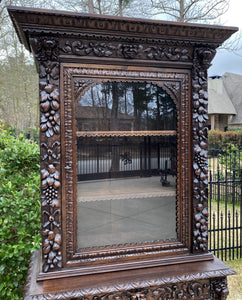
(129, 51)
(50, 182)
(202, 58)
(49, 105)
(47, 53)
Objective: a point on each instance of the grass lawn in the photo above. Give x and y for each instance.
(226, 231)
(235, 281)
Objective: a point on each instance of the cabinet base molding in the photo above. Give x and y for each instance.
(193, 280)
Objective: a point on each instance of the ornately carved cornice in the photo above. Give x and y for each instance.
(36, 21)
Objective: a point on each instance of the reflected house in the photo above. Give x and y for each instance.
(99, 119)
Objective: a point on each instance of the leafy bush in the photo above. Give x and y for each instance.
(219, 139)
(19, 211)
(231, 158)
(26, 133)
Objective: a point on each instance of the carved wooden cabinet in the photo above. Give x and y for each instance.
(123, 141)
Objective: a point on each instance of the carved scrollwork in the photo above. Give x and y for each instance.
(170, 53)
(128, 50)
(220, 288)
(173, 89)
(181, 290)
(81, 48)
(189, 290)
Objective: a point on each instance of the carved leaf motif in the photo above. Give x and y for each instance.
(45, 106)
(57, 118)
(50, 153)
(76, 47)
(55, 95)
(44, 96)
(55, 105)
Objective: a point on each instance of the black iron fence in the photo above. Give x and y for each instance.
(225, 201)
(109, 157)
(113, 157)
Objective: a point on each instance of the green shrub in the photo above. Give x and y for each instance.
(219, 139)
(19, 211)
(231, 158)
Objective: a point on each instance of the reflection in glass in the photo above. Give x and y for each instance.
(126, 164)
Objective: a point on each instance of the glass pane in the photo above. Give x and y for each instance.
(126, 164)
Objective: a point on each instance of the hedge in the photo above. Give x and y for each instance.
(19, 211)
(219, 139)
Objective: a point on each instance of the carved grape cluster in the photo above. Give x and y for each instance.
(51, 249)
(50, 182)
(51, 196)
(201, 231)
(49, 104)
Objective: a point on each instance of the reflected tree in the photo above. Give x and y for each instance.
(121, 106)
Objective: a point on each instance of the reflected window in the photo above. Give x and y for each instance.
(126, 164)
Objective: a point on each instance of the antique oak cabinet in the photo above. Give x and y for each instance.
(123, 141)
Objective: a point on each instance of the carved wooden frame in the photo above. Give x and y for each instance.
(178, 56)
(47, 52)
(176, 83)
